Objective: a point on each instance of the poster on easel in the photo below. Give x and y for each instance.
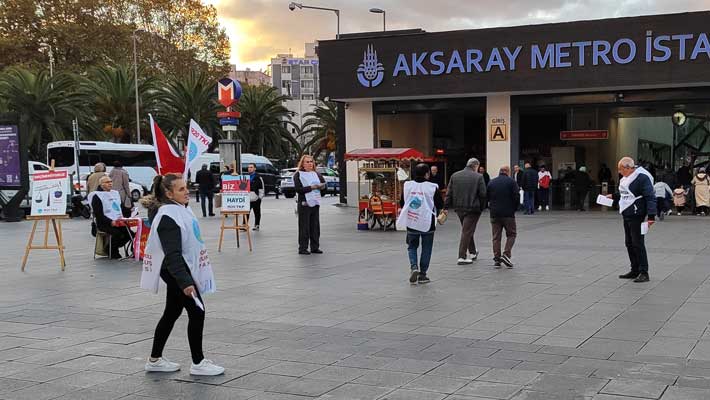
(235, 193)
(49, 193)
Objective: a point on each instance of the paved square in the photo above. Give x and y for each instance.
(347, 325)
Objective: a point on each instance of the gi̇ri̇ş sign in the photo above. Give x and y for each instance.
(49, 193)
(235, 193)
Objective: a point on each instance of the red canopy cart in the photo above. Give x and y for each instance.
(381, 175)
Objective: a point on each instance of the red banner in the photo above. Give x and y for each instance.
(584, 135)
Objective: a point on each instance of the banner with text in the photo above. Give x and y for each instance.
(235, 193)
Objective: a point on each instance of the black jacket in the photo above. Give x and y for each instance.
(519, 177)
(530, 179)
(582, 181)
(466, 192)
(205, 180)
(503, 197)
(646, 205)
(302, 190)
(171, 241)
(102, 221)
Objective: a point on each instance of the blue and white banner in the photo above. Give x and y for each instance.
(197, 143)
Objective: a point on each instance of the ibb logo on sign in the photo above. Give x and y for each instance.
(370, 73)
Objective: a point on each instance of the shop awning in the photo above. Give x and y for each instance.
(404, 153)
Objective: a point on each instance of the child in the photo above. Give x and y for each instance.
(679, 199)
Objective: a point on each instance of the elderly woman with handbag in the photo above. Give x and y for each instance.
(308, 184)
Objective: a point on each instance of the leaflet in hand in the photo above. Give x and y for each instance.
(198, 302)
(604, 201)
(644, 228)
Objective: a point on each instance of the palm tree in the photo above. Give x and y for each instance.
(191, 97)
(46, 105)
(112, 90)
(263, 125)
(319, 128)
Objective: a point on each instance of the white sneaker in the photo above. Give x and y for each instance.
(162, 365)
(206, 368)
(679, 214)
(256, 228)
(464, 261)
(539, 208)
(472, 257)
(547, 208)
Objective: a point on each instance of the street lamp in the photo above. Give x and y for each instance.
(50, 54)
(135, 78)
(384, 16)
(293, 6)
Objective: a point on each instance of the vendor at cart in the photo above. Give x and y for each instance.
(106, 205)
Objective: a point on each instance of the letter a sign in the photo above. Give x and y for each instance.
(499, 133)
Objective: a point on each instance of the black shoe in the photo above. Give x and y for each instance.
(413, 276)
(317, 251)
(629, 275)
(506, 260)
(643, 277)
(306, 252)
(211, 215)
(423, 278)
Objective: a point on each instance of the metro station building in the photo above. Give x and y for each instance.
(563, 94)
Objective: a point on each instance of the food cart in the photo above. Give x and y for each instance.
(381, 176)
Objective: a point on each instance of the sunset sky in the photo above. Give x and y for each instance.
(259, 29)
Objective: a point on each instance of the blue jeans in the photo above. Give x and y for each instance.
(529, 201)
(427, 239)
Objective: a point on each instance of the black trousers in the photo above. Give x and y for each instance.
(581, 195)
(308, 227)
(175, 301)
(635, 244)
(256, 207)
(206, 197)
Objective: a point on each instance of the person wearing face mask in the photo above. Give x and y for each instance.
(701, 186)
(308, 184)
(175, 246)
(106, 205)
(256, 186)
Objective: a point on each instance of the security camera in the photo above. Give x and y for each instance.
(292, 6)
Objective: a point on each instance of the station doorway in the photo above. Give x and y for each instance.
(447, 131)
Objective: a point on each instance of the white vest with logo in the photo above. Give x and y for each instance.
(194, 250)
(418, 205)
(111, 202)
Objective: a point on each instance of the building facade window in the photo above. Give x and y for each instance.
(307, 69)
(307, 84)
(307, 97)
(285, 69)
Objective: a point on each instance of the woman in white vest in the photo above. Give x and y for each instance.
(176, 254)
(308, 184)
(420, 202)
(106, 205)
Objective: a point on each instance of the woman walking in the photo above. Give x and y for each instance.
(308, 184)
(176, 246)
(701, 185)
(419, 202)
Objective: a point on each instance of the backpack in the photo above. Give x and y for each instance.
(545, 182)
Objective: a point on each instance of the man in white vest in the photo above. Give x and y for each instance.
(637, 201)
(106, 205)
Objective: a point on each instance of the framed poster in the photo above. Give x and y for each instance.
(10, 158)
(49, 193)
(235, 193)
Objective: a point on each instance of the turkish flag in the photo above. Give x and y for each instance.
(168, 160)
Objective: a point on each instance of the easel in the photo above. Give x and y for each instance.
(243, 226)
(56, 227)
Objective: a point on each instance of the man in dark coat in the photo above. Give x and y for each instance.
(582, 184)
(466, 194)
(503, 200)
(637, 200)
(529, 188)
(205, 184)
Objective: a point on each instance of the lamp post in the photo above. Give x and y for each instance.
(293, 6)
(384, 16)
(135, 78)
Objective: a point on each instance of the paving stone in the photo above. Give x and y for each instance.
(411, 366)
(386, 378)
(452, 370)
(635, 388)
(561, 384)
(434, 383)
(403, 394)
(10, 385)
(489, 390)
(306, 387)
(42, 391)
(353, 391)
(259, 381)
(682, 393)
(508, 376)
(288, 368)
(338, 374)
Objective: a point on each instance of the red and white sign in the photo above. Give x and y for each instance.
(584, 135)
(49, 193)
(229, 114)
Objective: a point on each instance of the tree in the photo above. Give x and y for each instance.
(177, 36)
(193, 96)
(263, 126)
(319, 128)
(46, 105)
(112, 91)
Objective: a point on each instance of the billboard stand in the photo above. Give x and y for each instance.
(54, 219)
(235, 202)
(13, 166)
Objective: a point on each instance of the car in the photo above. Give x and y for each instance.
(137, 190)
(332, 180)
(287, 187)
